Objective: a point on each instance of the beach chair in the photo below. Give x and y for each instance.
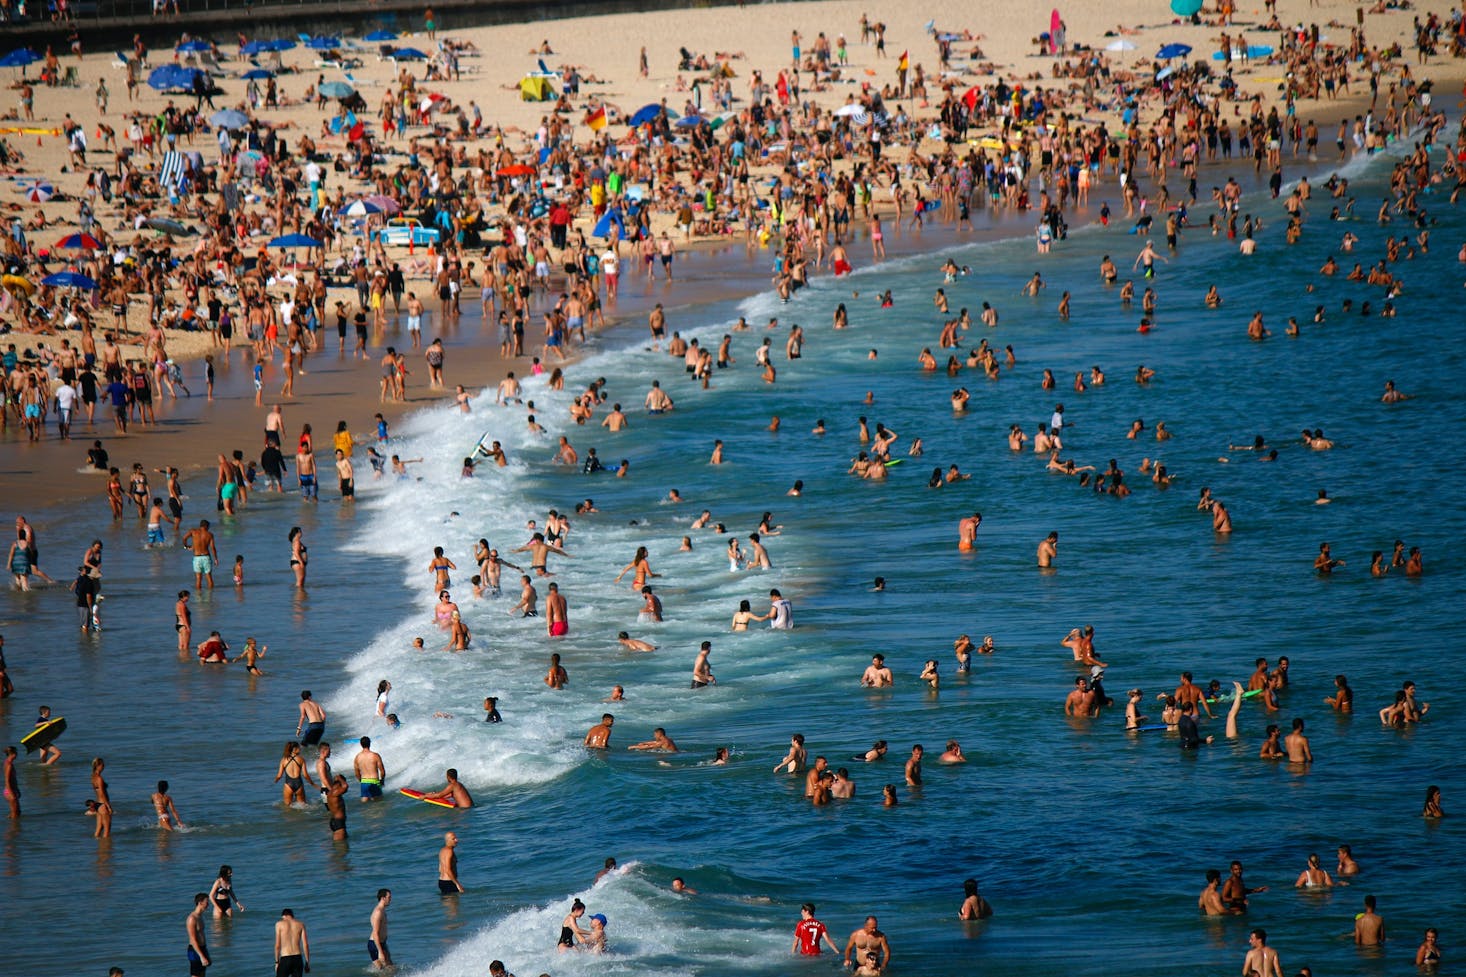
(544, 71)
(358, 82)
(120, 60)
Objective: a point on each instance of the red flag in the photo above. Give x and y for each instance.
(597, 119)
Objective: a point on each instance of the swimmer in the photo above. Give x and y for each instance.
(877, 675)
(634, 644)
(953, 753)
(659, 743)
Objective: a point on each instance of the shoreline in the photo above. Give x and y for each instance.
(49, 469)
(189, 427)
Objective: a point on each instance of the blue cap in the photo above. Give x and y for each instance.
(600, 918)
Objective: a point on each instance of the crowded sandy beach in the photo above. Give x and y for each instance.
(423, 296)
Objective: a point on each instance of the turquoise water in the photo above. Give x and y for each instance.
(1091, 843)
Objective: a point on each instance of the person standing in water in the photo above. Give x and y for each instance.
(292, 946)
(377, 941)
(448, 883)
(193, 928)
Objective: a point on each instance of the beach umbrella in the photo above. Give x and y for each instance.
(69, 279)
(644, 115)
(229, 119)
(1165, 73)
(690, 122)
(361, 208)
(336, 89)
(257, 74)
(854, 108)
(1120, 44)
(518, 169)
(81, 242)
(39, 193)
(388, 204)
(19, 58)
(279, 44)
(255, 47)
(193, 47)
(16, 285)
(1173, 51)
(168, 226)
(323, 43)
(173, 76)
(1185, 8)
(378, 36)
(409, 54)
(294, 241)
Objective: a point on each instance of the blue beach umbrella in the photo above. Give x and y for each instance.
(279, 44)
(257, 74)
(172, 76)
(69, 279)
(644, 115)
(336, 89)
(379, 36)
(19, 58)
(229, 119)
(690, 122)
(193, 47)
(294, 241)
(255, 47)
(1173, 51)
(323, 43)
(409, 54)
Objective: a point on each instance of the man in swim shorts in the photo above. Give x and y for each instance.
(198, 951)
(205, 555)
(556, 613)
(312, 721)
(370, 771)
(377, 942)
(292, 946)
(448, 883)
(336, 807)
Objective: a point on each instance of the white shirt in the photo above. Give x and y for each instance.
(313, 172)
(783, 618)
(609, 264)
(1056, 422)
(66, 396)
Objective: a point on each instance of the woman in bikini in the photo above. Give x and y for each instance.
(445, 609)
(298, 557)
(641, 566)
(439, 567)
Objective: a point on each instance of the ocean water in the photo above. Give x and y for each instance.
(1091, 843)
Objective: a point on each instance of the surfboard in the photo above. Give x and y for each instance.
(41, 737)
(419, 795)
(483, 446)
(1229, 696)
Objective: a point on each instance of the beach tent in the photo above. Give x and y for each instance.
(534, 89)
(610, 217)
(1185, 8)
